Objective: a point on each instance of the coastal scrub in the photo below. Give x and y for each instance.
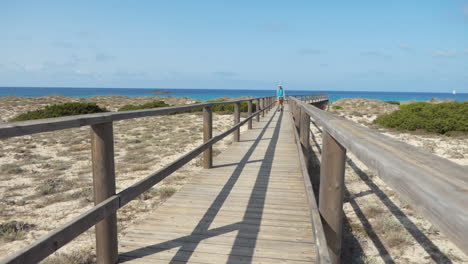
(443, 118)
(59, 110)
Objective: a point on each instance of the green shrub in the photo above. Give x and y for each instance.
(444, 118)
(393, 102)
(154, 104)
(230, 107)
(226, 108)
(337, 107)
(58, 110)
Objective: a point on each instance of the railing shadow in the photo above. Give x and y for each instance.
(434, 252)
(256, 202)
(202, 231)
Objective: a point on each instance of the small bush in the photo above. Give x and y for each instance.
(230, 107)
(444, 118)
(337, 107)
(164, 192)
(58, 110)
(11, 168)
(154, 104)
(85, 256)
(14, 230)
(54, 185)
(393, 102)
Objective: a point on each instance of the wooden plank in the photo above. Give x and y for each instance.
(265, 203)
(434, 186)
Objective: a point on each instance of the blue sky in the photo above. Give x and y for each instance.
(327, 45)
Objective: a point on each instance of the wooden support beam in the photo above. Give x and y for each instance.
(236, 133)
(249, 113)
(102, 149)
(304, 133)
(263, 106)
(207, 135)
(331, 193)
(258, 108)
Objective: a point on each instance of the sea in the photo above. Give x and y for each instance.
(208, 94)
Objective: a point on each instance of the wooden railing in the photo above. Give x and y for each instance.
(107, 202)
(436, 187)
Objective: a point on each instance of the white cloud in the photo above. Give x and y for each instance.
(311, 51)
(103, 57)
(444, 53)
(375, 54)
(405, 47)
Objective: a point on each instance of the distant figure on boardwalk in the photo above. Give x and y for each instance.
(280, 94)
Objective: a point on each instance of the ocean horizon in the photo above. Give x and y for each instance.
(208, 94)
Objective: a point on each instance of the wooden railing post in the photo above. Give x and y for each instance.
(263, 107)
(297, 116)
(102, 151)
(236, 121)
(258, 108)
(332, 171)
(249, 113)
(207, 135)
(304, 132)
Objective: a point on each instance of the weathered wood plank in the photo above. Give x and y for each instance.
(258, 201)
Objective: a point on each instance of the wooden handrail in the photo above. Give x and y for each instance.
(23, 128)
(323, 256)
(434, 186)
(102, 170)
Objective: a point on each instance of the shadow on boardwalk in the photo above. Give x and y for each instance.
(247, 234)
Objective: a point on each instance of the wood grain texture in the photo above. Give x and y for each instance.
(249, 208)
(332, 170)
(323, 256)
(207, 135)
(434, 186)
(102, 150)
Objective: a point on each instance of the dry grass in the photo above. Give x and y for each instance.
(84, 256)
(14, 230)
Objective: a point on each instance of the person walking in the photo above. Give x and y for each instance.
(280, 94)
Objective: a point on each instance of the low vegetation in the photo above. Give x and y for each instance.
(225, 108)
(154, 104)
(393, 102)
(337, 107)
(444, 118)
(14, 230)
(59, 110)
(230, 107)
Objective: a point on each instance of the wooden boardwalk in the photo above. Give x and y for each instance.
(250, 208)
